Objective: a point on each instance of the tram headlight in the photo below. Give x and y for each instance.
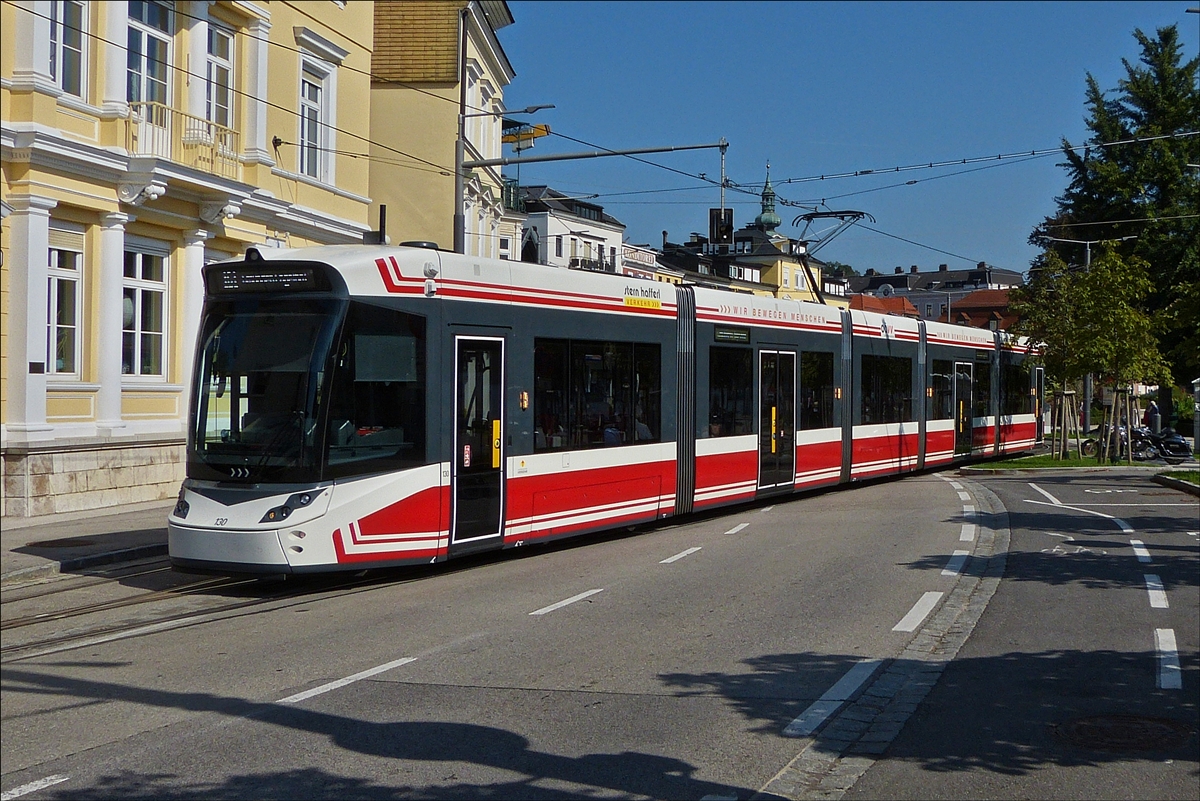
(282, 512)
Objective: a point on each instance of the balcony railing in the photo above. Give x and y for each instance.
(155, 129)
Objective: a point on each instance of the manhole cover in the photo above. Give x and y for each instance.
(1124, 733)
(69, 542)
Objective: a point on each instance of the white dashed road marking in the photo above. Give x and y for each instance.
(33, 787)
(1139, 548)
(1158, 597)
(964, 496)
(919, 612)
(820, 710)
(568, 601)
(968, 533)
(333, 685)
(679, 556)
(1170, 677)
(737, 528)
(955, 565)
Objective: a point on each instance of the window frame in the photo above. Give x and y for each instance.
(143, 287)
(215, 62)
(59, 46)
(321, 168)
(145, 30)
(55, 277)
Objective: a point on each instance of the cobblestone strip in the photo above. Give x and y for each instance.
(831, 761)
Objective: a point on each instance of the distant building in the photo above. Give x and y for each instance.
(931, 293)
(570, 232)
(984, 308)
(639, 261)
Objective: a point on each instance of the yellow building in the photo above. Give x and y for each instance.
(141, 140)
(417, 95)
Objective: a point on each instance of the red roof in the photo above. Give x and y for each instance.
(893, 305)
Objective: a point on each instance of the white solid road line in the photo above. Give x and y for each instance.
(1139, 548)
(968, 532)
(919, 612)
(1053, 500)
(567, 602)
(811, 719)
(679, 556)
(1158, 597)
(50, 781)
(955, 565)
(1170, 677)
(333, 685)
(737, 528)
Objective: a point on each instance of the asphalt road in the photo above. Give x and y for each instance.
(830, 645)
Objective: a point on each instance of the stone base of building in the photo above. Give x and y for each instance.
(54, 478)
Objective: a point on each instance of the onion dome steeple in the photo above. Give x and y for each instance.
(768, 221)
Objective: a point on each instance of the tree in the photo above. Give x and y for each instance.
(837, 268)
(1090, 320)
(1143, 189)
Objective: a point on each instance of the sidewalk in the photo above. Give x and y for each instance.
(36, 547)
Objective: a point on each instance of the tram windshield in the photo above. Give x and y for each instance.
(259, 387)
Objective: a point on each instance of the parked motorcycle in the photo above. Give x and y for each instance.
(1167, 445)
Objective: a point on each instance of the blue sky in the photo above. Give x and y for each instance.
(824, 88)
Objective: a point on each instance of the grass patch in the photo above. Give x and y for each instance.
(1191, 476)
(1041, 460)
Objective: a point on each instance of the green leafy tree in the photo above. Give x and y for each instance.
(1091, 320)
(1144, 192)
(838, 268)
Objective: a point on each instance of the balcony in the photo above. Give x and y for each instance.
(596, 265)
(154, 129)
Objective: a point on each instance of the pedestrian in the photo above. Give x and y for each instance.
(1152, 419)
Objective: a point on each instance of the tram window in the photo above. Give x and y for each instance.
(982, 389)
(1015, 397)
(943, 390)
(730, 391)
(377, 393)
(550, 394)
(886, 389)
(816, 390)
(592, 394)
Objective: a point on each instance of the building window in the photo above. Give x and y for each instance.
(219, 97)
(144, 313)
(928, 309)
(62, 312)
(312, 90)
(558, 246)
(504, 247)
(67, 21)
(150, 28)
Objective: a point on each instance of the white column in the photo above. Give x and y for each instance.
(115, 57)
(30, 244)
(191, 273)
(197, 36)
(110, 311)
(31, 47)
(255, 108)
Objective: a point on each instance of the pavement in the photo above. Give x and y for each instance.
(34, 548)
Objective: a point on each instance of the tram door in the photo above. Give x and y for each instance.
(478, 476)
(1039, 389)
(964, 380)
(777, 419)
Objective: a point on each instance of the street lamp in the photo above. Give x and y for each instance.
(460, 220)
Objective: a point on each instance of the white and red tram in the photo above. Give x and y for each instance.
(358, 406)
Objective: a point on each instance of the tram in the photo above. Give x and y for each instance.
(363, 406)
